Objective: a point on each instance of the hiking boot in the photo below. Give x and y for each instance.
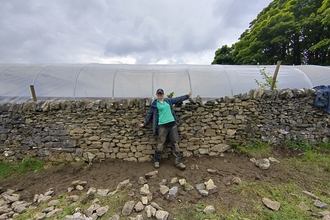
(181, 166)
(156, 164)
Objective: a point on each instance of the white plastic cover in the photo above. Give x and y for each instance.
(96, 81)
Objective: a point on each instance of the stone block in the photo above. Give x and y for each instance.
(145, 159)
(69, 143)
(210, 132)
(148, 152)
(193, 147)
(100, 155)
(77, 131)
(94, 138)
(220, 148)
(203, 151)
(3, 137)
(121, 155)
(131, 159)
(96, 145)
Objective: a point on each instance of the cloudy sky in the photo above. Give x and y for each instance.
(121, 31)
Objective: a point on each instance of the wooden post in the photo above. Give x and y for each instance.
(275, 75)
(33, 93)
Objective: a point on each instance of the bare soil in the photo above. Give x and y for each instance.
(108, 173)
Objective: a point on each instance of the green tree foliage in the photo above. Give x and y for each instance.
(224, 56)
(293, 31)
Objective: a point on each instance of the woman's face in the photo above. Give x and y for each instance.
(160, 96)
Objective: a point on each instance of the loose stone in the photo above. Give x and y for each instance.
(173, 191)
(151, 175)
(209, 209)
(102, 192)
(263, 164)
(139, 207)
(271, 204)
(142, 180)
(164, 189)
(320, 204)
(102, 210)
(128, 208)
(162, 215)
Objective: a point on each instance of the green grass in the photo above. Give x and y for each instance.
(256, 149)
(298, 144)
(8, 170)
(289, 195)
(195, 212)
(324, 145)
(307, 171)
(29, 164)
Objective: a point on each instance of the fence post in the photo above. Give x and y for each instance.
(33, 93)
(275, 75)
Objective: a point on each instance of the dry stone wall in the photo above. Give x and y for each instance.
(95, 130)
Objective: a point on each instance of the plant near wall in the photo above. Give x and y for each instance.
(267, 79)
(298, 143)
(170, 95)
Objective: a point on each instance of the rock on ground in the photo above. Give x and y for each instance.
(271, 204)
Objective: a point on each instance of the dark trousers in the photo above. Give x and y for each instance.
(170, 129)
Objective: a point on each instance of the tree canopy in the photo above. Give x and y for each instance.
(293, 31)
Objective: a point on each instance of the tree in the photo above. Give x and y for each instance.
(293, 31)
(224, 56)
(321, 48)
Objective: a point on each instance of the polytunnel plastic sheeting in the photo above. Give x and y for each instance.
(15, 80)
(56, 81)
(243, 79)
(318, 75)
(208, 80)
(177, 82)
(80, 81)
(94, 81)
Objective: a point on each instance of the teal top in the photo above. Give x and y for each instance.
(164, 113)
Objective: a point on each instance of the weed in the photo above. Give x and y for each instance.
(256, 149)
(268, 79)
(170, 95)
(298, 144)
(325, 145)
(6, 170)
(11, 169)
(29, 164)
(317, 159)
(195, 212)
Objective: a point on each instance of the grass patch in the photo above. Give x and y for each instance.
(29, 164)
(324, 145)
(298, 144)
(195, 212)
(312, 160)
(289, 195)
(256, 149)
(8, 170)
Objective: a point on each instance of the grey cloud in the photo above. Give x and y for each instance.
(148, 31)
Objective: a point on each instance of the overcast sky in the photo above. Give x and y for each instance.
(121, 31)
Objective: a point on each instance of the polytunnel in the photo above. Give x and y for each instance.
(120, 81)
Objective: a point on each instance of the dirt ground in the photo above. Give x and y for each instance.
(108, 173)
